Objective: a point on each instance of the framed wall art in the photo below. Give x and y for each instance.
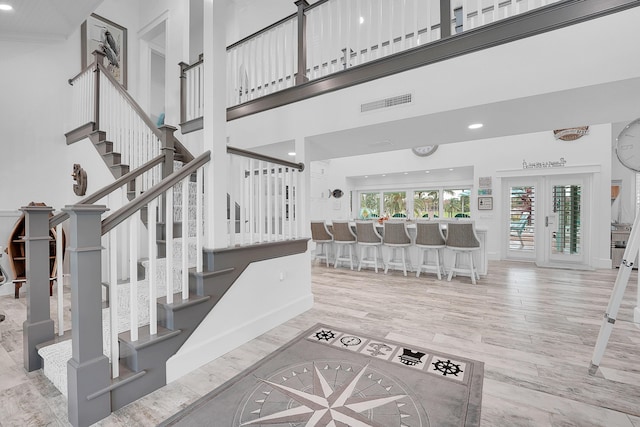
(485, 203)
(98, 33)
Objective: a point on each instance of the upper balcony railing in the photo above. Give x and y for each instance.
(329, 37)
(339, 34)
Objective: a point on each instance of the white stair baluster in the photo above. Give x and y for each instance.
(283, 202)
(185, 238)
(153, 265)
(168, 232)
(261, 202)
(251, 201)
(133, 275)
(113, 301)
(199, 217)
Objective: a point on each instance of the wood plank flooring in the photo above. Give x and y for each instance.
(534, 328)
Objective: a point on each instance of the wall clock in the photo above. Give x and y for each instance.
(425, 150)
(628, 146)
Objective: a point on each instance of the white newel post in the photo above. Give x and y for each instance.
(215, 122)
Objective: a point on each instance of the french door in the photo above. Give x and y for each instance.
(545, 218)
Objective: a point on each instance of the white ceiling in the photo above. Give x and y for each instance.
(613, 102)
(44, 20)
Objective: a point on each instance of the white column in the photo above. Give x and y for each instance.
(215, 121)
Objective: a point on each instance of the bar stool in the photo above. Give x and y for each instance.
(429, 239)
(396, 238)
(323, 239)
(369, 238)
(462, 240)
(343, 238)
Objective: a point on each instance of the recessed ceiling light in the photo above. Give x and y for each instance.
(5, 7)
(406, 173)
(362, 19)
(384, 174)
(427, 171)
(366, 176)
(450, 169)
(292, 153)
(475, 126)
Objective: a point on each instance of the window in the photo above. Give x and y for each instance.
(458, 16)
(456, 203)
(426, 203)
(395, 204)
(369, 205)
(430, 202)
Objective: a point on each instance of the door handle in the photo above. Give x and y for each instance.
(546, 221)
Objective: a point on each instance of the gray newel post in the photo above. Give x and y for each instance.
(168, 149)
(99, 59)
(445, 18)
(183, 91)
(301, 76)
(38, 327)
(88, 369)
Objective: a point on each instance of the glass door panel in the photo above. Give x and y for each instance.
(522, 218)
(566, 203)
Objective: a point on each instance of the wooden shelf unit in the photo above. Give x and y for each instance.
(17, 251)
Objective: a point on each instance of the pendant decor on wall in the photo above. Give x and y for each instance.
(571, 134)
(80, 177)
(337, 193)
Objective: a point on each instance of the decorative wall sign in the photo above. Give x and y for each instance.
(571, 134)
(485, 203)
(80, 177)
(98, 33)
(546, 164)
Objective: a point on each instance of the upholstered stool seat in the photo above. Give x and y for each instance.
(396, 238)
(323, 239)
(344, 240)
(463, 242)
(369, 239)
(430, 240)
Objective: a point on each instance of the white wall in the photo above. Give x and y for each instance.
(267, 294)
(493, 158)
(250, 16)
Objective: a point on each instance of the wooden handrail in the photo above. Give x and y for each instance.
(106, 190)
(186, 67)
(180, 149)
(131, 101)
(74, 78)
(136, 204)
(258, 156)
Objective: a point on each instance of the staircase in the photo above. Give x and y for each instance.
(108, 364)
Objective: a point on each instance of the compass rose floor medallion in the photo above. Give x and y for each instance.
(332, 377)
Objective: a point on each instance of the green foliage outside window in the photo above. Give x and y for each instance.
(395, 204)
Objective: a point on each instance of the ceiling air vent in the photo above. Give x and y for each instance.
(387, 102)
